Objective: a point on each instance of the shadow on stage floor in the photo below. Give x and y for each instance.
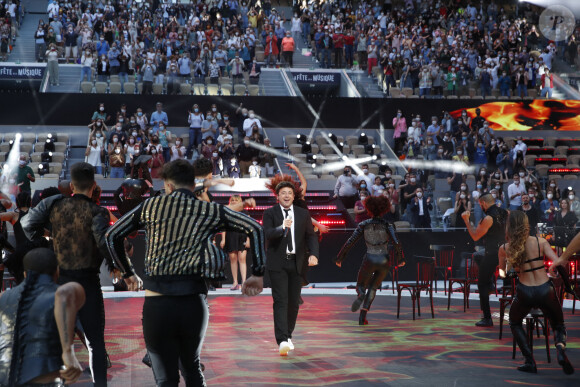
(332, 349)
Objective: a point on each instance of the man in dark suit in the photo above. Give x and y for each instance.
(289, 234)
(419, 207)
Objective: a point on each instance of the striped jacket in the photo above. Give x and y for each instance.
(179, 228)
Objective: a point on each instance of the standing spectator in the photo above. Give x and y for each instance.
(515, 192)
(40, 42)
(255, 170)
(288, 46)
(245, 154)
(505, 83)
(158, 117)
(164, 137)
(254, 72)
(87, 64)
(117, 162)
(156, 163)
(522, 80)
(94, 154)
(52, 65)
(485, 82)
(360, 213)
(237, 68)
(367, 177)
(361, 49)
(124, 70)
(547, 83)
(250, 122)
(564, 225)
(338, 43)
(296, 28)
(425, 82)
(195, 119)
(25, 174)
(419, 207)
(531, 212)
(214, 72)
(400, 134)
(148, 73)
(326, 45)
(346, 188)
(103, 68)
(271, 51)
(451, 82)
(70, 44)
(178, 150)
(372, 57)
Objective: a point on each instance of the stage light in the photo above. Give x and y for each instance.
(340, 146)
(49, 145)
(306, 147)
(363, 139)
(310, 208)
(46, 157)
(344, 157)
(43, 169)
(376, 157)
(301, 138)
(311, 159)
(333, 138)
(10, 144)
(370, 149)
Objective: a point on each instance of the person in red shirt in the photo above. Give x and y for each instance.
(547, 83)
(271, 49)
(288, 46)
(338, 40)
(349, 48)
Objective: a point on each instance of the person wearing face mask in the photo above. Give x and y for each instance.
(379, 236)
(346, 188)
(158, 117)
(271, 51)
(25, 174)
(233, 168)
(520, 147)
(515, 192)
(455, 181)
(400, 134)
(178, 150)
(139, 165)
(156, 163)
(462, 204)
(255, 170)
(250, 122)
(208, 147)
(492, 227)
(574, 203)
(419, 207)
(531, 212)
(87, 64)
(564, 225)
(367, 177)
(94, 154)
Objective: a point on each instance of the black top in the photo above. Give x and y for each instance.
(533, 218)
(539, 258)
(18, 231)
(495, 236)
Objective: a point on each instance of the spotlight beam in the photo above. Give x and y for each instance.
(342, 155)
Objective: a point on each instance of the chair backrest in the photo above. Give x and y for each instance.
(129, 87)
(443, 255)
(471, 268)
(425, 271)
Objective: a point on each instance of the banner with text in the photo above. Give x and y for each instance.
(318, 78)
(21, 72)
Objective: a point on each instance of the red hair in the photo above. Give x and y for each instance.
(377, 206)
(273, 183)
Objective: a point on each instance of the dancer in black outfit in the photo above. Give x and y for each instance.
(379, 236)
(535, 289)
(78, 228)
(493, 228)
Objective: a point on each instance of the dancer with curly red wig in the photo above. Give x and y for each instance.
(380, 237)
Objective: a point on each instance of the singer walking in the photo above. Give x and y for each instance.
(289, 234)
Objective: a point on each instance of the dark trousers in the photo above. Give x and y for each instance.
(543, 297)
(487, 268)
(371, 274)
(92, 319)
(348, 201)
(174, 328)
(288, 57)
(286, 287)
(194, 140)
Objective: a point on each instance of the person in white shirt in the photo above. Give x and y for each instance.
(178, 150)
(520, 146)
(250, 121)
(414, 131)
(368, 177)
(255, 169)
(515, 192)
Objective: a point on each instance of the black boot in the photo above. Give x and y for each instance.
(362, 318)
(522, 340)
(484, 322)
(359, 300)
(563, 360)
(369, 298)
(147, 360)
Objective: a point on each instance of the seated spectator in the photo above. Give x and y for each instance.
(377, 188)
(208, 148)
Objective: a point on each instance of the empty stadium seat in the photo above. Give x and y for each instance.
(253, 90)
(129, 87)
(115, 87)
(227, 89)
(185, 88)
(101, 87)
(86, 87)
(158, 88)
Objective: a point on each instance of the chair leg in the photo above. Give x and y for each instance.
(547, 336)
(398, 301)
(419, 303)
(431, 297)
(501, 315)
(449, 295)
(413, 296)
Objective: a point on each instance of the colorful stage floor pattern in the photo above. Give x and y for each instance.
(333, 350)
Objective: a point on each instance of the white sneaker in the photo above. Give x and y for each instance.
(291, 344)
(284, 348)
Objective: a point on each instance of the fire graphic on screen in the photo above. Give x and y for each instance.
(529, 115)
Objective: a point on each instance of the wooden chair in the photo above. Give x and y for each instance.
(469, 278)
(443, 255)
(506, 299)
(424, 282)
(536, 319)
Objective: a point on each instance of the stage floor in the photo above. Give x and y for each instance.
(333, 350)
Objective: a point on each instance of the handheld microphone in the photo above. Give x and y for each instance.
(286, 229)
